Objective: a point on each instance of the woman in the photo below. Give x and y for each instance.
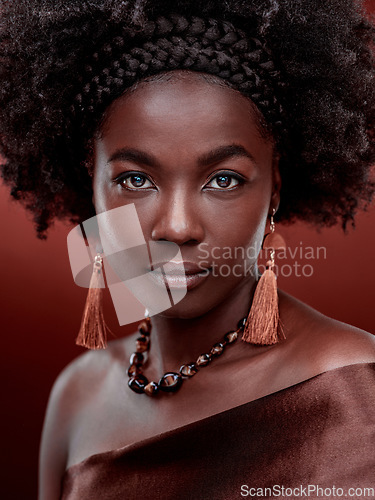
(216, 122)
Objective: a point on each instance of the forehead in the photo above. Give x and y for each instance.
(179, 117)
(181, 98)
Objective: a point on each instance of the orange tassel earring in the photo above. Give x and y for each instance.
(262, 325)
(93, 331)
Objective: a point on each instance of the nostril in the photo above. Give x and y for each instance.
(179, 234)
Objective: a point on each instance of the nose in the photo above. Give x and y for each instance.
(178, 220)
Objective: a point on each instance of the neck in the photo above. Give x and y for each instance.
(176, 341)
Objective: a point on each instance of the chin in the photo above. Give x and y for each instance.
(184, 312)
(188, 309)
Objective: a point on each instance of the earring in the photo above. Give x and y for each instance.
(262, 325)
(93, 331)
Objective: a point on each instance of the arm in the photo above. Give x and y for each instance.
(78, 383)
(54, 443)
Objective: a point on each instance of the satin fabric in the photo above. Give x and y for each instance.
(318, 433)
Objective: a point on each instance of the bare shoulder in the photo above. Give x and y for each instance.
(326, 342)
(80, 381)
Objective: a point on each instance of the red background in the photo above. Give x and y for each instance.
(41, 311)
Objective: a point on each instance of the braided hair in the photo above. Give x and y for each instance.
(308, 69)
(177, 42)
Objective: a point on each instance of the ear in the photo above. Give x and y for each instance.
(276, 183)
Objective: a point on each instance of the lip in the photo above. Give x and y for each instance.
(175, 277)
(182, 267)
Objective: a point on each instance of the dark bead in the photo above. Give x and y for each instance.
(134, 370)
(138, 383)
(136, 358)
(203, 360)
(230, 337)
(145, 328)
(170, 382)
(142, 344)
(151, 389)
(188, 370)
(217, 349)
(241, 324)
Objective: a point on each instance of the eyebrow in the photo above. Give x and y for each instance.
(214, 156)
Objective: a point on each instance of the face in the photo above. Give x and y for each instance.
(189, 155)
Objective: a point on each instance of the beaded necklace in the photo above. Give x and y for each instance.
(171, 381)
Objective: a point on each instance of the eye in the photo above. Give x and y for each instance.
(225, 180)
(134, 181)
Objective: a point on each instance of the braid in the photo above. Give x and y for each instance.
(210, 46)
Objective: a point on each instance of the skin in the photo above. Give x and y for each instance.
(178, 121)
(185, 205)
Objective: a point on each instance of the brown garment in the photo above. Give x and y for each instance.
(319, 432)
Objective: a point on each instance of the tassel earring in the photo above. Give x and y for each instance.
(262, 325)
(93, 331)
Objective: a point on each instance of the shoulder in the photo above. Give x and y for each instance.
(90, 370)
(81, 381)
(325, 342)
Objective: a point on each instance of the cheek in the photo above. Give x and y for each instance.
(241, 221)
(238, 245)
(234, 239)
